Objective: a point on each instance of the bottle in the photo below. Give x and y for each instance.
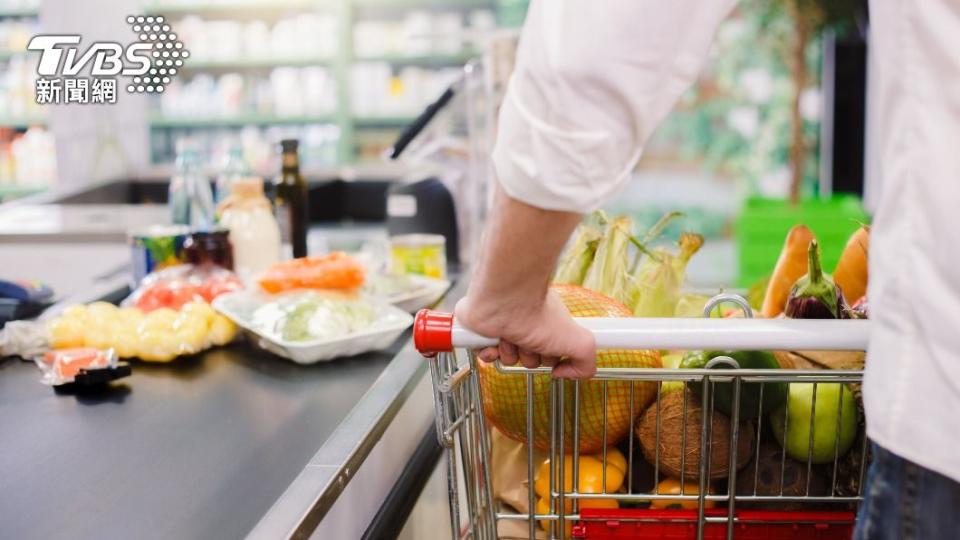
(290, 197)
(191, 199)
(234, 168)
(254, 232)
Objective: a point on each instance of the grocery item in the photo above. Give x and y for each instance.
(254, 232)
(608, 273)
(655, 287)
(791, 265)
(158, 336)
(774, 393)
(598, 259)
(190, 199)
(834, 421)
(314, 326)
(290, 198)
(672, 361)
(591, 473)
(311, 316)
(80, 365)
(156, 248)
(335, 270)
(770, 474)
(420, 254)
(576, 260)
(209, 246)
(504, 395)
(672, 486)
(176, 286)
(815, 295)
(675, 451)
(851, 271)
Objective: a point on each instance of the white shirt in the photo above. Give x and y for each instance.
(594, 79)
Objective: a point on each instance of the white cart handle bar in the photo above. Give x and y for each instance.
(435, 332)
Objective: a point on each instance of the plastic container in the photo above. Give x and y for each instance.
(391, 322)
(421, 254)
(763, 224)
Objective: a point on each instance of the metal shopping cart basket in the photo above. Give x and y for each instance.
(803, 499)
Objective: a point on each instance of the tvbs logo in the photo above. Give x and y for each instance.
(150, 63)
(108, 58)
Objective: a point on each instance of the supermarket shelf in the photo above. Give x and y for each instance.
(253, 63)
(426, 60)
(236, 121)
(22, 122)
(19, 12)
(382, 121)
(8, 191)
(228, 8)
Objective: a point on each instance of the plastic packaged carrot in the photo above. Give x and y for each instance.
(336, 270)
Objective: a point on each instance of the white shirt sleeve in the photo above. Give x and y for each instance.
(592, 81)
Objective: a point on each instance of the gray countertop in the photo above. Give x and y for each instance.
(199, 448)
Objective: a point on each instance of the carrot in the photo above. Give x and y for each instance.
(851, 272)
(336, 270)
(791, 265)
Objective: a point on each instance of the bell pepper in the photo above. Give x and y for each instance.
(590, 480)
(672, 486)
(774, 393)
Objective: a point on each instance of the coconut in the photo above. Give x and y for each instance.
(772, 475)
(504, 395)
(673, 424)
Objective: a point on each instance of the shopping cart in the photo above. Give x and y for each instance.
(751, 511)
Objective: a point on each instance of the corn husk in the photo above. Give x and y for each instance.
(575, 262)
(654, 290)
(608, 272)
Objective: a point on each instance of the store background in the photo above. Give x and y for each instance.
(345, 76)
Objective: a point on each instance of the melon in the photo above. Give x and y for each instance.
(504, 395)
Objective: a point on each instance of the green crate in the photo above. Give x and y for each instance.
(763, 225)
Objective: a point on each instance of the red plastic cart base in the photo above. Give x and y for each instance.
(599, 524)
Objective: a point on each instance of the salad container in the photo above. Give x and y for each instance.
(338, 325)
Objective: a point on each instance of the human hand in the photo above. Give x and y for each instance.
(538, 335)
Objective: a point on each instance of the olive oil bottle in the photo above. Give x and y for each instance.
(290, 197)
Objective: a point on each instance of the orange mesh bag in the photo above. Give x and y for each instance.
(505, 395)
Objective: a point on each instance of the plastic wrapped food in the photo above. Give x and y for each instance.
(156, 336)
(335, 270)
(81, 365)
(177, 286)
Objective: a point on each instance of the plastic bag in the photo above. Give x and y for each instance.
(176, 286)
(82, 365)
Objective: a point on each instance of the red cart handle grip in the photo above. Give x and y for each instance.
(432, 332)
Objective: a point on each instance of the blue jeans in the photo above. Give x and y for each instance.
(903, 501)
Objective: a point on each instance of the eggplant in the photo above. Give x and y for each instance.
(815, 295)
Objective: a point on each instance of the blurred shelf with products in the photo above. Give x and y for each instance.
(348, 74)
(27, 153)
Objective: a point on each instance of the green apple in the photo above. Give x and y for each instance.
(833, 400)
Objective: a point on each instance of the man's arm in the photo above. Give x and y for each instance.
(592, 81)
(508, 295)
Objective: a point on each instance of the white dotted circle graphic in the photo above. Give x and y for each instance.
(166, 51)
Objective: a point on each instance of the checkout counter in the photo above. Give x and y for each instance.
(229, 443)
